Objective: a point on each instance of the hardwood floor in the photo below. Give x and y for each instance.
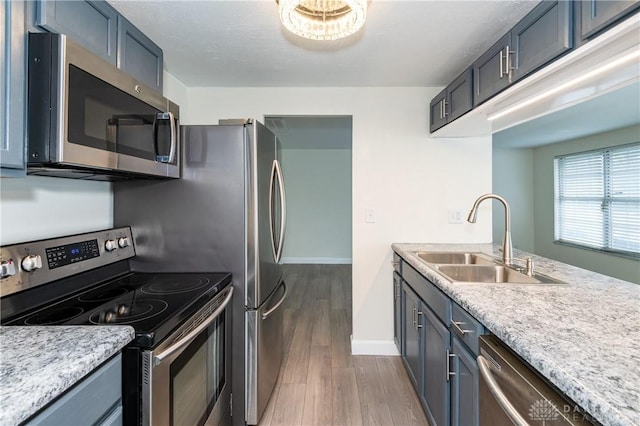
(320, 382)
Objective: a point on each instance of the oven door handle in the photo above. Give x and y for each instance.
(498, 393)
(157, 359)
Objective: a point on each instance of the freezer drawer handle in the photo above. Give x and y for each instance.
(277, 305)
(498, 393)
(157, 359)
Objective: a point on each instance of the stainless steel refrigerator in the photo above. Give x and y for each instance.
(226, 213)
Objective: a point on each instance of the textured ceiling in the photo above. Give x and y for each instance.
(239, 43)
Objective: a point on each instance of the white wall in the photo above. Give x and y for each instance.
(32, 208)
(615, 266)
(318, 188)
(513, 179)
(409, 179)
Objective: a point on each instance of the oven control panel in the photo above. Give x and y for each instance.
(27, 265)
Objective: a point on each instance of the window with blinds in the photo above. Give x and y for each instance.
(597, 199)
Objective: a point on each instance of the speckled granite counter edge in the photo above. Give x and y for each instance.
(591, 400)
(38, 364)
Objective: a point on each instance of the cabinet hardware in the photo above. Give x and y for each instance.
(419, 322)
(457, 324)
(501, 66)
(508, 65)
(444, 108)
(414, 318)
(395, 263)
(449, 372)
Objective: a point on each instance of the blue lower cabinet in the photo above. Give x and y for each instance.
(412, 337)
(398, 320)
(96, 399)
(439, 346)
(464, 386)
(435, 346)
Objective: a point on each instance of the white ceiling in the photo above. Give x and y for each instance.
(241, 43)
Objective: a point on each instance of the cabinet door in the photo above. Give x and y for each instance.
(460, 96)
(436, 345)
(412, 329)
(490, 74)
(544, 34)
(92, 24)
(599, 14)
(97, 396)
(13, 88)
(437, 111)
(139, 56)
(464, 386)
(397, 311)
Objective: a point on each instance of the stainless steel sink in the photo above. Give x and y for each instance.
(491, 274)
(457, 258)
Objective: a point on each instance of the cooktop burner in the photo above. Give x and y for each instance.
(54, 316)
(153, 304)
(175, 286)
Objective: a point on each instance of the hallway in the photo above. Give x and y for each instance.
(320, 382)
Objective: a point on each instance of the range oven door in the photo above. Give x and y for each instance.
(187, 379)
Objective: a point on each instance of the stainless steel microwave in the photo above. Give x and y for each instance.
(88, 119)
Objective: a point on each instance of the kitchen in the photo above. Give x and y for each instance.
(393, 156)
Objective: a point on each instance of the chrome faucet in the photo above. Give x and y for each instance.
(507, 247)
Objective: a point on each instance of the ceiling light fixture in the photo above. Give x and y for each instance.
(323, 19)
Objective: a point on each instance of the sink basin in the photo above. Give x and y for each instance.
(455, 258)
(491, 274)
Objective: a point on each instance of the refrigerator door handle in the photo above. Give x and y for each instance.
(274, 249)
(266, 314)
(283, 209)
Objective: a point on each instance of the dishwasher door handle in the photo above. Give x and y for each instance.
(498, 393)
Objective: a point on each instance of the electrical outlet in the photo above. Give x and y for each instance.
(370, 216)
(455, 216)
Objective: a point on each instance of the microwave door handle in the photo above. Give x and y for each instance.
(173, 135)
(157, 359)
(498, 393)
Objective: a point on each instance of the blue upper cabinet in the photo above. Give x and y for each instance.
(138, 55)
(92, 24)
(596, 15)
(96, 25)
(13, 56)
(540, 37)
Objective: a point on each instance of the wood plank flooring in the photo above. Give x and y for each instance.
(320, 383)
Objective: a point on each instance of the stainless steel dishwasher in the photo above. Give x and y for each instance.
(511, 393)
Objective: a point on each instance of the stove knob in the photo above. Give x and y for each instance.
(109, 316)
(31, 262)
(123, 242)
(123, 310)
(110, 245)
(7, 268)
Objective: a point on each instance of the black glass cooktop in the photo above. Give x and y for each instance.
(153, 304)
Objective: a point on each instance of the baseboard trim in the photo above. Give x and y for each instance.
(318, 260)
(373, 347)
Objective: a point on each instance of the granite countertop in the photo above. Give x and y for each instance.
(38, 363)
(584, 337)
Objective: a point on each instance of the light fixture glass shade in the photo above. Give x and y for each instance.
(323, 19)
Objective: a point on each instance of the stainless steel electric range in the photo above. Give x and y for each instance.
(177, 369)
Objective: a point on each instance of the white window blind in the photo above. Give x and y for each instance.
(597, 199)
